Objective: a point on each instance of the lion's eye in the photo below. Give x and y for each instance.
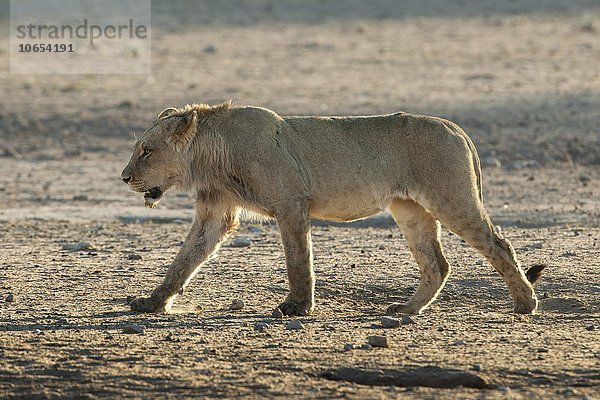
(146, 153)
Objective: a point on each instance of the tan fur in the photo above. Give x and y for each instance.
(423, 169)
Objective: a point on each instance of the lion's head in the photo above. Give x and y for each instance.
(161, 156)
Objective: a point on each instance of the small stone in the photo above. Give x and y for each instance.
(277, 313)
(261, 327)
(10, 298)
(237, 304)
(389, 322)
(366, 346)
(499, 229)
(134, 328)
(209, 49)
(78, 246)
(590, 328)
(459, 342)
(477, 367)
(294, 325)
(584, 179)
(504, 389)
(254, 229)
(241, 242)
(407, 320)
(348, 347)
(568, 254)
(490, 161)
(535, 246)
(171, 338)
(125, 104)
(377, 341)
(134, 257)
(38, 332)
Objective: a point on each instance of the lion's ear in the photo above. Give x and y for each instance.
(183, 130)
(166, 112)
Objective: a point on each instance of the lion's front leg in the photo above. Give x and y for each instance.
(295, 234)
(208, 231)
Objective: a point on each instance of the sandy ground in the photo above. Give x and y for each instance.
(520, 77)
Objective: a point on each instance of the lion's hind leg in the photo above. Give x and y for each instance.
(481, 234)
(422, 233)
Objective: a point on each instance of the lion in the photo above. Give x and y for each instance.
(424, 170)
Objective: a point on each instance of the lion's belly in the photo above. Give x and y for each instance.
(348, 207)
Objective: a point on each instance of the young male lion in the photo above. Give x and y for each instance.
(422, 169)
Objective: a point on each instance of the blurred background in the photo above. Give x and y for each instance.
(522, 78)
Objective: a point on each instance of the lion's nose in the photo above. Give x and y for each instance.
(126, 179)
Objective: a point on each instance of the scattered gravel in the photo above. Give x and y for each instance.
(236, 304)
(294, 325)
(78, 246)
(389, 322)
(477, 367)
(277, 313)
(378, 341)
(240, 242)
(134, 329)
(261, 327)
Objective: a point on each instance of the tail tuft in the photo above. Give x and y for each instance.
(534, 272)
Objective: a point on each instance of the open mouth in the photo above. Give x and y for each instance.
(154, 193)
(152, 196)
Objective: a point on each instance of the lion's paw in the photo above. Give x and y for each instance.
(292, 308)
(399, 308)
(146, 304)
(529, 307)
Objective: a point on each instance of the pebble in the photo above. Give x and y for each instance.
(590, 328)
(237, 304)
(477, 367)
(525, 164)
(294, 325)
(171, 338)
(537, 245)
(134, 328)
(348, 347)
(489, 161)
(10, 298)
(78, 246)
(261, 327)
(254, 229)
(366, 346)
(407, 320)
(377, 341)
(389, 322)
(134, 257)
(210, 49)
(241, 242)
(459, 342)
(277, 313)
(568, 254)
(38, 332)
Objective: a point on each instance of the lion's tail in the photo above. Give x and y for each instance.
(534, 272)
